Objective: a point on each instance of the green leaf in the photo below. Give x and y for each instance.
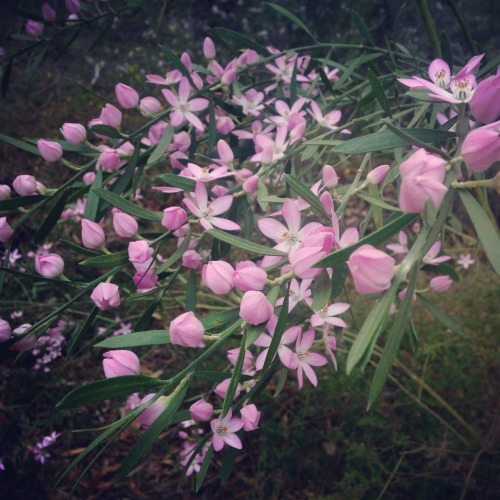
(440, 315)
(378, 237)
(360, 24)
(110, 260)
(486, 232)
(161, 147)
(179, 252)
(443, 268)
(92, 206)
(235, 377)
(136, 339)
(379, 91)
(20, 201)
(340, 274)
(228, 464)
(212, 376)
(239, 41)
(304, 192)
(83, 330)
(128, 206)
(52, 218)
(204, 468)
(377, 202)
(292, 18)
(79, 249)
(107, 130)
(216, 320)
(244, 244)
(20, 144)
(321, 291)
(177, 63)
(101, 390)
(191, 292)
(387, 139)
(37, 61)
(393, 340)
(446, 50)
(180, 182)
(121, 185)
(149, 437)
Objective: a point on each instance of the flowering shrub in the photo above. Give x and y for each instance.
(245, 157)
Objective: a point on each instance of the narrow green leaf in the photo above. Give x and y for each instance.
(363, 29)
(149, 437)
(387, 139)
(228, 464)
(212, 130)
(82, 331)
(12, 204)
(326, 81)
(20, 144)
(180, 182)
(379, 203)
(161, 147)
(128, 206)
(212, 376)
(177, 63)
(79, 249)
(378, 237)
(292, 18)
(321, 291)
(101, 34)
(101, 390)
(143, 322)
(204, 468)
(110, 260)
(191, 292)
(235, 377)
(340, 274)
(440, 315)
(37, 61)
(304, 192)
(393, 340)
(239, 41)
(92, 205)
(243, 244)
(443, 268)
(121, 185)
(216, 320)
(52, 218)
(136, 339)
(179, 252)
(446, 50)
(486, 232)
(107, 130)
(379, 92)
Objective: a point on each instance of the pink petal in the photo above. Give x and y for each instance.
(272, 229)
(225, 224)
(233, 440)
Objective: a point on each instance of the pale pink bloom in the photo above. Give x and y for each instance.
(485, 103)
(171, 78)
(439, 73)
(124, 224)
(481, 147)
(402, 246)
(255, 308)
(140, 254)
(149, 106)
(440, 284)
(106, 295)
(465, 260)
(222, 387)
(74, 133)
(275, 148)
(329, 120)
(147, 417)
(432, 258)
(205, 174)
(111, 115)
(226, 75)
(201, 411)
(286, 355)
(372, 270)
(285, 112)
(207, 211)
(330, 344)
(218, 276)
(5, 192)
(251, 416)
(461, 89)
(283, 68)
(34, 28)
(248, 276)
(328, 314)
(378, 174)
(50, 265)
(297, 293)
(250, 101)
(126, 96)
(92, 234)
(306, 359)
(51, 151)
(422, 177)
(186, 330)
(5, 330)
(232, 356)
(224, 429)
(349, 237)
(145, 280)
(173, 218)
(183, 108)
(315, 247)
(120, 363)
(209, 48)
(226, 155)
(191, 259)
(24, 185)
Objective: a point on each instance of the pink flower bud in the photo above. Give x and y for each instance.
(48, 13)
(224, 125)
(34, 28)
(147, 417)
(173, 218)
(124, 224)
(72, 6)
(5, 330)
(221, 389)
(126, 96)
(111, 115)
(51, 151)
(74, 133)
(121, 363)
(218, 276)
(440, 284)
(150, 105)
(89, 178)
(330, 177)
(481, 147)
(92, 234)
(5, 192)
(208, 48)
(5, 230)
(371, 269)
(145, 280)
(251, 184)
(24, 185)
(255, 308)
(110, 159)
(26, 342)
(378, 174)
(186, 330)
(139, 252)
(106, 295)
(50, 265)
(485, 103)
(191, 259)
(201, 411)
(251, 416)
(233, 354)
(248, 276)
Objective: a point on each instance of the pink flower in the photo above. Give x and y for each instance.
(144, 280)
(51, 151)
(402, 246)
(251, 416)
(372, 270)
(5, 192)
(48, 13)
(255, 308)
(485, 103)
(121, 363)
(465, 260)
(440, 284)
(481, 147)
(248, 276)
(111, 115)
(201, 411)
(126, 96)
(232, 356)
(209, 48)
(378, 174)
(5, 230)
(139, 254)
(218, 276)
(328, 314)
(110, 159)
(147, 417)
(306, 359)
(92, 234)
(5, 330)
(329, 120)
(250, 101)
(24, 185)
(106, 295)
(222, 387)
(149, 106)
(207, 212)
(286, 355)
(422, 177)
(34, 28)
(431, 258)
(186, 330)
(173, 218)
(182, 108)
(74, 133)
(50, 265)
(224, 429)
(124, 224)
(316, 246)
(297, 293)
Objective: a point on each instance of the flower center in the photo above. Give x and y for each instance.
(220, 430)
(442, 78)
(207, 214)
